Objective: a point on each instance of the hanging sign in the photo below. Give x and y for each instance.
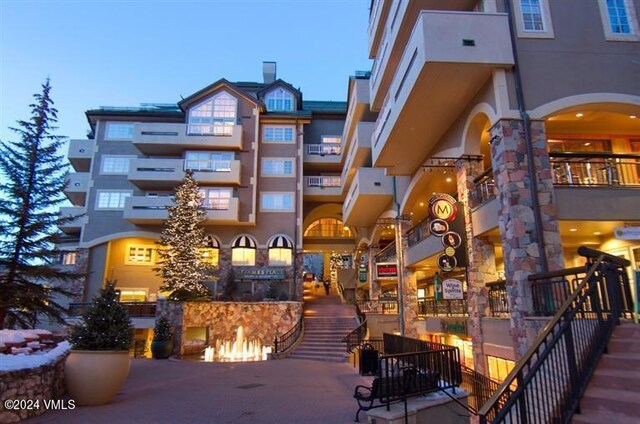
(452, 289)
(387, 270)
(627, 233)
(362, 274)
(446, 223)
(454, 326)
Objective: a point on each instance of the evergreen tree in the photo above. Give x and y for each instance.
(105, 326)
(34, 178)
(335, 263)
(181, 266)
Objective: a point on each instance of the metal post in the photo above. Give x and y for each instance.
(400, 267)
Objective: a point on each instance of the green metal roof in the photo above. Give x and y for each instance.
(144, 107)
(324, 106)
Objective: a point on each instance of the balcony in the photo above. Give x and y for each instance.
(77, 188)
(173, 139)
(391, 34)
(358, 110)
(449, 55)
(74, 226)
(369, 195)
(377, 19)
(321, 188)
(430, 307)
(359, 152)
(152, 210)
(323, 155)
(81, 153)
(167, 173)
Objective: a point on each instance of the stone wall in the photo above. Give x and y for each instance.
(260, 321)
(43, 383)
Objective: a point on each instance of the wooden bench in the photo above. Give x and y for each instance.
(387, 390)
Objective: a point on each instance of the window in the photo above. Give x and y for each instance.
(280, 249)
(579, 145)
(139, 255)
(243, 251)
(277, 167)
(499, 368)
(116, 131)
(533, 19)
(279, 100)
(209, 161)
(209, 256)
(331, 140)
(276, 202)
(619, 20)
(69, 258)
(328, 227)
(215, 116)
(277, 134)
(115, 164)
(111, 199)
(216, 198)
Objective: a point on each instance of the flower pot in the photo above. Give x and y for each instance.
(93, 377)
(161, 349)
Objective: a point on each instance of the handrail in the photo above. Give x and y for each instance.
(557, 366)
(594, 155)
(287, 340)
(356, 336)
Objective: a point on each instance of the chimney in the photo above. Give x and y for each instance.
(268, 72)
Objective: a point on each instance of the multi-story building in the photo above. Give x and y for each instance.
(527, 112)
(252, 148)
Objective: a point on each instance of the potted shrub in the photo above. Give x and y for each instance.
(98, 363)
(162, 344)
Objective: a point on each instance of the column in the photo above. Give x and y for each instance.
(481, 267)
(375, 288)
(409, 291)
(516, 217)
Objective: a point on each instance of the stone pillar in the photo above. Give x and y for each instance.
(78, 286)
(516, 216)
(409, 283)
(375, 288)
(481, 267)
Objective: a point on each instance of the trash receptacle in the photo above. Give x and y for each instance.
(368, 360)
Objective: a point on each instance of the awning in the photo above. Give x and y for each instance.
(281, 242)
(245, 242)
(211, 242)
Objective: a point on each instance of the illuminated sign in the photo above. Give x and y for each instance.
(452, 289)
(259, 273)
(442, 206)
(454, 326)
(387, 270)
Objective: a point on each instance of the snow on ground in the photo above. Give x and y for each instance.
(36, 359)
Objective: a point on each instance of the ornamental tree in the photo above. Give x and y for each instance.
(33, 176)
(181, 266)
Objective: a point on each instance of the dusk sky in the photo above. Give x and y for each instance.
(123, 53)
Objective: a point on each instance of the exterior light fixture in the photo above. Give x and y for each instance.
(596, 233)
(579, 115)
(632, 116)
(573, 230)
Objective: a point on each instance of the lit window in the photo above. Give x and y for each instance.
(139, 255)
(116, 131)
(209, 256)
(331, 140)
(209, 161)
(68, 258)
(275, 167)
(328, 227)
(115, 164)
(532, 15)
(277, 134)
(216, 198)
(499, 368)
(279, 257)
(243, 251)
(111, 199)
(277, 202)
(279, 100)
(215, 116)
(133, 295)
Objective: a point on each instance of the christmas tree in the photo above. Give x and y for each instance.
(105, 325)
(33, 176)
(181, 266)
(335, 263)
(162, 330)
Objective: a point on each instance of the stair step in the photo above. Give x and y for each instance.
(603, 417)
(310, 358)
(624, 345)
(622, 361)
(616, 379)
(611, 401)
(627, 331)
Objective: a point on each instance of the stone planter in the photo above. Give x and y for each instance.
(161, 349)
(94, 377)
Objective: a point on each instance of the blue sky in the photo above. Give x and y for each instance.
(122, 53)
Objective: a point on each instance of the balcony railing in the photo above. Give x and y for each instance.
(221, 129)
(418, 232)
(323, 181)
(388, 254)
(595, 169)
(221, 204)
(497, 295)
(385, 305)
(443, 308)
(208, 165)
(323, 149)
(135, 309)
(485, 187)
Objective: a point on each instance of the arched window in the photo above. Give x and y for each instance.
(328, 227)
(280, 251)
(243, 251)
(279, 100)
(210, 251)
(214, 116)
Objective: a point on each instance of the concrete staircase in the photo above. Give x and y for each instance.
(613, 394)
(326, 322)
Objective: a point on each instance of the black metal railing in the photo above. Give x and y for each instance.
(497, 297)
(380, 306)
(394, 343)
(551, 377)
(388, 254)
(135, 309)
(595, 169)
(443, 308)
(356, 336)
(284, 342)
(479, 387)
(418, 232)
(551, 290)
(485, 186)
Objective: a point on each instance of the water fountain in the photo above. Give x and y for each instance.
(240, 350)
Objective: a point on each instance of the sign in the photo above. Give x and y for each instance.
(452, 289)
(447, 263)
(362, 274)
(259, 273)
(445, 222)
(438, 227)
(387, 270)
(627, 233)
(454, 326)
(443, 206)
(437, 287)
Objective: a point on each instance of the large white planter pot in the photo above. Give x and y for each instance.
(94, 377)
